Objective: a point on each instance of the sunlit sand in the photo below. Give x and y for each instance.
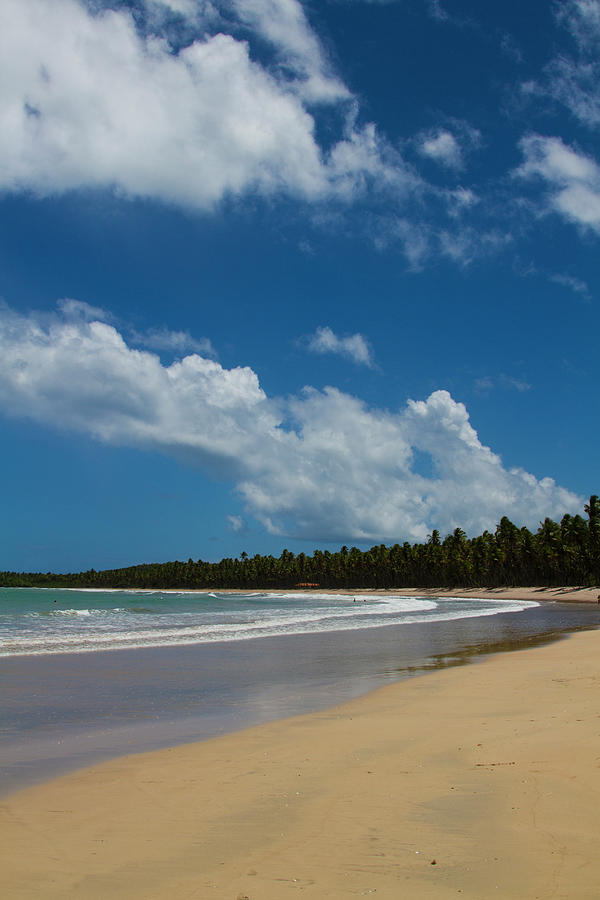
(480, 780)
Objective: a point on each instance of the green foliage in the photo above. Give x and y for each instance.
(557, 554)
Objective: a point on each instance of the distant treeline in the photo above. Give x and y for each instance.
(556, 554)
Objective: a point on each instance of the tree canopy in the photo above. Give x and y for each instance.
(565, 553)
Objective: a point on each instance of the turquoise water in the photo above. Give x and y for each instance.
(41, 621)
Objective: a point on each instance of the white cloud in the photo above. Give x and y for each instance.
(196, 10)
(577, 86)
(449, 145)
(415, 238)
(517, 383)
(573, 180)
(442, 147)
(236, 523)
(582, 19)
(459, 200)
(78, 309)
(573, 79)
(341, 471)
(89, 100)
(198, 13)
(488, 382)
(199, 103)
(284, 24)
(352, 346)
(463, 245)
(301, 58)
(436, 11)
(176, 341)
(85, 101)
(577, 285)
(364, 161)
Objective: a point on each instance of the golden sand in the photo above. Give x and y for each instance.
(480, 781)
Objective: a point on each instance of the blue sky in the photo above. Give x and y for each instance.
(281, 274)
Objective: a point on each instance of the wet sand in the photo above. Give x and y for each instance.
(477, 780)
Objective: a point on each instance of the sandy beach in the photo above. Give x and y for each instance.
(540, 594)
(480, 780)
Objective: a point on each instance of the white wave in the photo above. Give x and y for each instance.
(85, 613)
(522, 604)
(82, 590)
(72, 612)
(407, 610)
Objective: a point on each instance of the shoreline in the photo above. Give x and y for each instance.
(541, 594)
(495, 784)
(562, 594)
(557, 594)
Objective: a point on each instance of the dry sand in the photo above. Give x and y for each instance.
(541, 594)
(480, 781)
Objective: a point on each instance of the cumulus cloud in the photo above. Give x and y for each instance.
(91, 99)
(572, 179)
(163, 338)
(320, 465)
(86, 101)
(301, 60)
(352, 346)
(79, 309)
(199, 104)
(284, 24)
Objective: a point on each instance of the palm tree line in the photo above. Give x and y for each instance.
(565, 553)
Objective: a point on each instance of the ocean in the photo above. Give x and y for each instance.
(40, 621)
